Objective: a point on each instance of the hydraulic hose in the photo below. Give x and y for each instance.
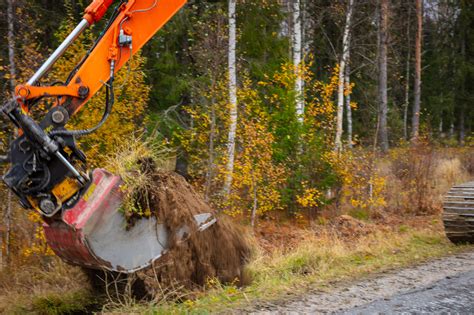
(109, 102)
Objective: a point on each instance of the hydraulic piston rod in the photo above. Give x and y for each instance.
(59, 52)
(93, 13)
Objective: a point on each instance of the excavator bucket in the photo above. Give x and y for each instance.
(94, 234)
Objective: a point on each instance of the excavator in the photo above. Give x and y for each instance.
(49, 173)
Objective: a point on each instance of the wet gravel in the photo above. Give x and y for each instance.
(441, 286)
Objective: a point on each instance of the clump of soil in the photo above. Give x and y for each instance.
(219, 252)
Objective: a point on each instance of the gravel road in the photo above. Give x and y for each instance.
(440, 286)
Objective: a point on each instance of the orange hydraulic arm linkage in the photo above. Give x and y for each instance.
(132, 24)
(48, 171)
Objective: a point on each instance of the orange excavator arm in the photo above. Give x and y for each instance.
(45, 160)
(134, 23)
(80, 207)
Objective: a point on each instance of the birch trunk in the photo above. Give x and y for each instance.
(382, 60)
(342, 68)
(347, 81)
(232, 97)
(417, 88)
(297, 60)
(13, 74)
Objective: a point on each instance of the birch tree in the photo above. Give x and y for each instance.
(232, 97)
(342, 68)
(347, 81)
(382, 63)
(297, 37)
(417, 88)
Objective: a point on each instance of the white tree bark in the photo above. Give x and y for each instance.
(232, 97)
(347, 80)
(297, 59)
(342, 68)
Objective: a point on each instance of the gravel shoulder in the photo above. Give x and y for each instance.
(441, 284)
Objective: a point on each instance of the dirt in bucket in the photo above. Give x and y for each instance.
(220, 252)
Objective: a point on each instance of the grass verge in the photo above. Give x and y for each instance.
(37, 287)
(314, 264)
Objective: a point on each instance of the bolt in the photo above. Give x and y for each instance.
(58, 117)
(47, 206)
(83, 92)
(23, 92)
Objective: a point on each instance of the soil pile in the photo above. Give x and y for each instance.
(220, 252)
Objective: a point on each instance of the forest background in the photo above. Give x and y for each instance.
(297, 110)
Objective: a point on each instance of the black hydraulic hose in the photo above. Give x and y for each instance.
(109, 92)
(109, 102)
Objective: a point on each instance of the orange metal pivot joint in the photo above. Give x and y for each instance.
(26, 92)
(96, 10)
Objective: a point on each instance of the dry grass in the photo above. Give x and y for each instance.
(316, 262)
(51, 288)
(317, 258)
(449, 172)
(418, 177)
(127, 162)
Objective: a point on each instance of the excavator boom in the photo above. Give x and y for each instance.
(135, 23)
